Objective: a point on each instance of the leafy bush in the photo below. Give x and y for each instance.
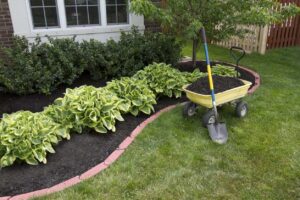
(87, 106)
(130, 54)
(162, 79)
(222, 70)
(28, 137)
(40, 67)
(98, 60)
(135, 93)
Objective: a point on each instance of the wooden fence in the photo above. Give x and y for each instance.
(274, 36)
(285, 34)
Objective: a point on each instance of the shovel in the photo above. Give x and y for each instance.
(217, 131)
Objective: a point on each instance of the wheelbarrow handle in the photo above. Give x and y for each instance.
(234, 56)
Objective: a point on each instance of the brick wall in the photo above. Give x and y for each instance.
(6, 28)
(153, 26)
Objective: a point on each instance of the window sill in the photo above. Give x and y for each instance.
(81, 30)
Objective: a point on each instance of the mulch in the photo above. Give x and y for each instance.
(221, 84)
(72, 157)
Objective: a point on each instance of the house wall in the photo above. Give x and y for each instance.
(22, 24)
(6, 28)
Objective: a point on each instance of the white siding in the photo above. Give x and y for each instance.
(22, 23)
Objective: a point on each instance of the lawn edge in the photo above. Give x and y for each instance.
(98, 168)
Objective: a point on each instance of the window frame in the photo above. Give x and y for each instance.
(83, 25)
(116, 7)
(45, 18)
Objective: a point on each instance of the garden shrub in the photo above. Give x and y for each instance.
(98, 60)
(26, 136)
(135, 93)
(130, 54)
(87, 106)
(40, 67)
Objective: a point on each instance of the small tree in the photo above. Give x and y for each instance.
(221, 18)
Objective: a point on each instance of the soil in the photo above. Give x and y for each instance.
(10, 103)
(221, 84)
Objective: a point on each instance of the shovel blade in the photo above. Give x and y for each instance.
(218, 132)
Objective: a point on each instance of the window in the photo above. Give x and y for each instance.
(44, 13)
(117, 11)
(82, 12)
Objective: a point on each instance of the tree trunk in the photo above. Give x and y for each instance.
(195, 45)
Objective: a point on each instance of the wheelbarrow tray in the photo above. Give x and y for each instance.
(221, 98)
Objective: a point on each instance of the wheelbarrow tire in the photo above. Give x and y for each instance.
(189, 109)
(208, 118)
(241, 109)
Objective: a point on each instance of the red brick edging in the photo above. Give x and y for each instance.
(257, 79)
(95, 170)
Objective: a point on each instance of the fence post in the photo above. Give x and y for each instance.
(263, 38)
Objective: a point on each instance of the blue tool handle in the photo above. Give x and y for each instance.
(209, 70)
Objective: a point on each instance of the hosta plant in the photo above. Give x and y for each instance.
(26, 136)
(135, 93)
(194, 76)
(222, 70)
(87, 106)
(162, 79)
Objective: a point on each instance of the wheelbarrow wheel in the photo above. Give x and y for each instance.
(208, 118)
(241, 109)
(189, 109)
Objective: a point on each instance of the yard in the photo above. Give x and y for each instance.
(173, 158)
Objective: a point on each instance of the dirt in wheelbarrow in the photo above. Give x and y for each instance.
(221, 84)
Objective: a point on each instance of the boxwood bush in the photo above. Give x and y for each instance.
(40, 67)
(130, 54)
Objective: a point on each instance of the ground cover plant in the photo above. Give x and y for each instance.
(164, 80)
(26, 136)
(87, 106)
(173, 158)
(136, 95)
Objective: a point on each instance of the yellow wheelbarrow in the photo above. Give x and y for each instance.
(233, 96)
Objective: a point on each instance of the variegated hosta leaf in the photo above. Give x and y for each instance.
(135, 93)
(164, 80)
(87, 106)
(28, 137)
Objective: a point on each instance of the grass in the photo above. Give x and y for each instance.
(174, 158)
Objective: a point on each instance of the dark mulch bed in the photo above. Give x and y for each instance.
(72, 157)
(79, 154)
(10, 103)
(221, 84)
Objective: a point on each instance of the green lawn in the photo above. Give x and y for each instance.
(173, 158)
